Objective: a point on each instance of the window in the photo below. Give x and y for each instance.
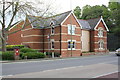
(101, 44)
(52, 27)
(52, 30)
(71, 44)
(71, 29)
(100, 32)
(52, 44)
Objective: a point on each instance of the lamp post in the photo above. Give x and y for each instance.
(71, 43)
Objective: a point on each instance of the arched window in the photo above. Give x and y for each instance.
(101, 44)
(100, 32)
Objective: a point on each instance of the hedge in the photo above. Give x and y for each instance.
(33, 55)
(9, 55)
(11, 47)
(25, 50)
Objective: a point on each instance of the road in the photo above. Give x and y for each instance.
(82, 67)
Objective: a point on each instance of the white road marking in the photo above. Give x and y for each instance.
(105, 74)
(62, 69)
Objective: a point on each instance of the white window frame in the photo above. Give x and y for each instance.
(69, 29)
(101, 46)
(52, 24)
(52, 30)
(74, 44)
(52, 40)
(100, 32)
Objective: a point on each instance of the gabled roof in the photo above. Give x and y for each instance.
(40, 22)
(93, 22)
(84, 24)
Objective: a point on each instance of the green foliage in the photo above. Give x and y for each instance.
(14, 46)
(33, 55)
(8, 55)
(95, 12)
(25, 50)
(77, 12)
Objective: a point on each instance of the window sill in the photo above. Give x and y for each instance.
(70, 49)
(101, 49)
(70, 34)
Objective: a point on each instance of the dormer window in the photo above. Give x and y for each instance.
(100, 32)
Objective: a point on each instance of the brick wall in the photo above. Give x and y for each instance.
(94, 39)
(15, 38)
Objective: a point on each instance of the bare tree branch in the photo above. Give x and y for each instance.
(8, 7)
(14, 14)
(1, 22)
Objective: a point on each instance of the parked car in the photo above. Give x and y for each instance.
(118, 52)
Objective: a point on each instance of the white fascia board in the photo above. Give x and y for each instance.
(101, 19)
(30, 23)
(15, 25)
(65, 19)
(77, 20)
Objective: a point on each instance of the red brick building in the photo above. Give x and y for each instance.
(61, 33)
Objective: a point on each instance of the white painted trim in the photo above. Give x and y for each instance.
(65, 19)
(100, 37)
(101, 19)
(27, 29)
(73, 16)
(33, 36)
(30, 23)
(76, 19)
(75, 45)
(32, 42)
(52, 40)
(15, 25)
(58, 49)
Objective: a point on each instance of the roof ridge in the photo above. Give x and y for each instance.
(82, 19)
(59, 14)
(93, 18)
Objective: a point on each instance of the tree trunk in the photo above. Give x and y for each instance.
(3, 41)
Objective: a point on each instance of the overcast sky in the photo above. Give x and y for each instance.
(66, 5)
(61, 6)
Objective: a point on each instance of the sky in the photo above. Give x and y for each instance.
(66, 5)
(60, 6)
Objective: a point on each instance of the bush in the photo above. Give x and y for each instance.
(11, 47)
(8, 55)
(25, 50)
(33, 55)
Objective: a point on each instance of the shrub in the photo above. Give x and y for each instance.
(8, 55)
(33, 55)
(25, 50)
(11, 47)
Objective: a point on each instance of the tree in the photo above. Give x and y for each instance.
(10, 10)
(114, 8)
(94, 11)
(77, 12)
